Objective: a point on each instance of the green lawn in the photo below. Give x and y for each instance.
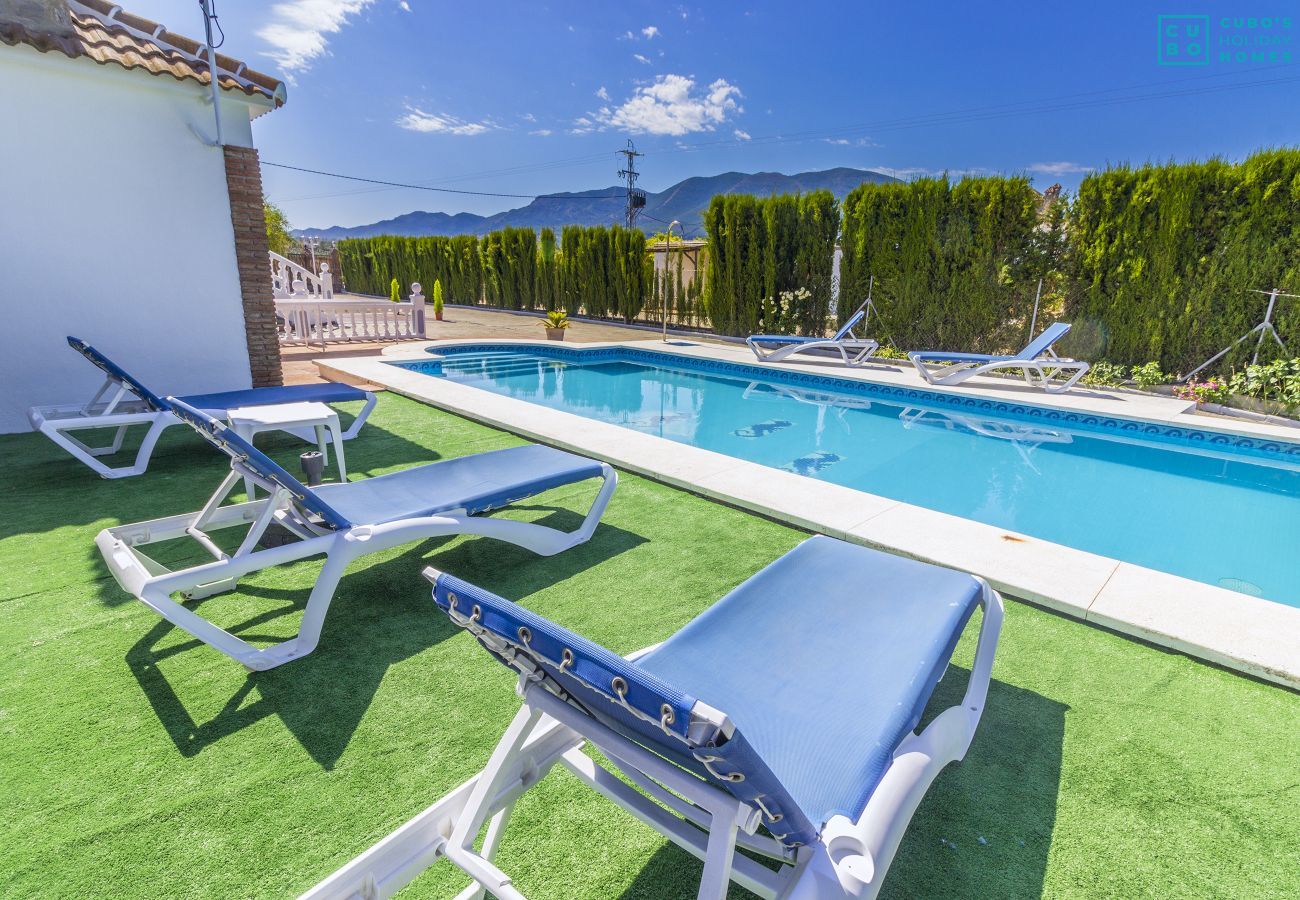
(136, 763)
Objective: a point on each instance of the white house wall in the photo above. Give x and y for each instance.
(114, 227)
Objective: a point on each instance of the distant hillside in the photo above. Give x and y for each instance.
(684, 201)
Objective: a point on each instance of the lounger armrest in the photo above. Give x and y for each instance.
(867, 845)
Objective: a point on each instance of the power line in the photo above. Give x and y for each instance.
(425, 187)
(996, 111)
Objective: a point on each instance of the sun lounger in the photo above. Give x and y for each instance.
(791, 706)
(123, 401)
(343, 522)
(1038, 363)
(853, 351)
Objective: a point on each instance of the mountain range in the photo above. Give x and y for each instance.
(684, 201)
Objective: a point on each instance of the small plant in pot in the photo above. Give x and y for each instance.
(555, 323)
(437, 300)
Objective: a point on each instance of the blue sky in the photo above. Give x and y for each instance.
(536, 97)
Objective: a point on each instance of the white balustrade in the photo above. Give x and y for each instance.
(288, 279)
(303, 320)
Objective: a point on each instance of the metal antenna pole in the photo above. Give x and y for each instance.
(208, 16)
(1263, 329)
(635, 198)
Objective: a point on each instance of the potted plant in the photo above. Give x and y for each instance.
(555, 323)
(437, 300)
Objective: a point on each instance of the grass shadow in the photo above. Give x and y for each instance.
(983, 830)
(380, 616)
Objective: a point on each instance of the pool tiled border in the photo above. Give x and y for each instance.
(1245, 633)
(1155, 432)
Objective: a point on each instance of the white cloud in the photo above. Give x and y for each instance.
(650, 32)
(298, 29)
(542, 132)
(602, 93)
(842, 142)
(417, 119)
(1059, 168)
(401, 3)
(528, 117)
(741, 135)
(628, 36)
(671, 105)
(641, 59)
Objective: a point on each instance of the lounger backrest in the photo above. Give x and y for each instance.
(1039, 344)
(117, 373)
(239, 450)
(849, 325)
(625, 698)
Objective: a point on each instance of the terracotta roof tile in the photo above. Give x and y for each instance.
(103, 32)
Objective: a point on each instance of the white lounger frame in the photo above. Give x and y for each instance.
(115, 406)
(853, 351)
(1044, 371)
(850, 859)
(153, 584)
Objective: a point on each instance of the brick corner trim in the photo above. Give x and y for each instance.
(244, 184)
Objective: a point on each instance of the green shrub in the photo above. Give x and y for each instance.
(437, 297)
(1106, 374)
(395, 291)
(1148, 375)
(1278, 382)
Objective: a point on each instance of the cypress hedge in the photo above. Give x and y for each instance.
(1164, 258)
(955, 264)
(761, 248)
(599, 271)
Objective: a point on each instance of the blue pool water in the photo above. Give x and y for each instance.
(1214, 508)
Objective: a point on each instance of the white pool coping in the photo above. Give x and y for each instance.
(1248, 634)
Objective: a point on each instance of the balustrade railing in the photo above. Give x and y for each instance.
(301, 321)
(292, 281)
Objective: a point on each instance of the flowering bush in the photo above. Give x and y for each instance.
(777, 314)
(1212, 391)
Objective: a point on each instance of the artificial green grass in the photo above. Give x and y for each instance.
(136, 763)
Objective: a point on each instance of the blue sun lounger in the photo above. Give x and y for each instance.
(1038, 363)
(854, 351)
(123, 401)
(342, 521)
(790, 705)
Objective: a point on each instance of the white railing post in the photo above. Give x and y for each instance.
(417, 320)
(326, 282)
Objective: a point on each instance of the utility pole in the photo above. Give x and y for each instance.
(635, 197)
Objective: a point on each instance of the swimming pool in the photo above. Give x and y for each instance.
(1214, 507)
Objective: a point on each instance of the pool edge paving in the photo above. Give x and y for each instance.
(1258, 637)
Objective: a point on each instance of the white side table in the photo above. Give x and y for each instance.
(286, 417)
